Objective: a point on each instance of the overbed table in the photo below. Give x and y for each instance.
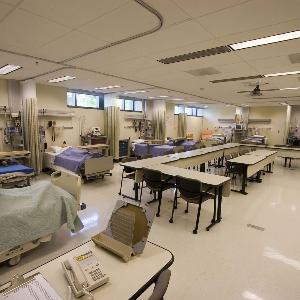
(99, 147)
(127, 280)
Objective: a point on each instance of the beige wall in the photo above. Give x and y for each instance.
(215, 112)
(275, 130)
(295, 120)
(56, 98)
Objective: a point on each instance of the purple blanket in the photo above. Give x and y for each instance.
(161, 150)
(73, 159)
(140, 149)
(189, 145)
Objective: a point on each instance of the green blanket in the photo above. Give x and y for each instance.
(29, 213)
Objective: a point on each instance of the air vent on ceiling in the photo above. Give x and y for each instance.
(237, 78)
(203, 72)
(294, 58)
(194, 55)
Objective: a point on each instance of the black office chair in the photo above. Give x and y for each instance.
(128, 172)
(157, 183)
(191, 191)
(161, 285)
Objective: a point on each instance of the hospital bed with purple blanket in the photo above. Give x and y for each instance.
(87, 164)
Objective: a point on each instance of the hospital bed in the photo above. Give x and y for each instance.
(15, 175)
(93, 167)
(71, 184)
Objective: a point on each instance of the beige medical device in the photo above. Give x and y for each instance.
(127, 231)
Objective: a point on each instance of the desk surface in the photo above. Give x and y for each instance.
(143, 163)
(206, 178)
(261, 152)
(252, 158)
(125, 278)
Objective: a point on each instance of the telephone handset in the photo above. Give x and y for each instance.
(83, 273)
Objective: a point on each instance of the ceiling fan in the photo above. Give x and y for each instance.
(257, 91)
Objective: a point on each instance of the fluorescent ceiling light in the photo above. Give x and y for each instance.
(292, 88)
(177, 99)
(60, 79)
(205, 106)
(283, 103)
(134, 92)
(266, 40)
(282, 74)
(8, 69)
(162, 96)
(107, 87)
(151, 97)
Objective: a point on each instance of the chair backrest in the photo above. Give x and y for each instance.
(152, 178)
(233, 168)
(128, 159)
(188, 188)
(161, 285)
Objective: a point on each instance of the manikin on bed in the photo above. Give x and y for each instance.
(30, 215)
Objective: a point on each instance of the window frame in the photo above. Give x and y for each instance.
(194, 111)
(100, 99)
(133, 105)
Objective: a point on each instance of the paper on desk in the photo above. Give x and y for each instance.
(36, 289)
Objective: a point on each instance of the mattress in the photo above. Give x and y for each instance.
(159, 150)
(15, 168)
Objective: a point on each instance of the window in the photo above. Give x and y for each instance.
(138, 106)
(179, 109)
(128, 105)
(85, 99)
(190, 111)
(70, 99)
(199, 112)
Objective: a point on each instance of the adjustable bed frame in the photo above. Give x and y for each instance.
(67, 181)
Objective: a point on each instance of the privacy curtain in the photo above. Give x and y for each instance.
(181, 132)
(158, 125)
(31, 132)
(112, 129)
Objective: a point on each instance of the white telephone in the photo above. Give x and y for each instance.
(83, 273)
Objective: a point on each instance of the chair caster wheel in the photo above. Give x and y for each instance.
(157, 214)
(171, 221)
(195, 231)
(14, 261)
(186, 211)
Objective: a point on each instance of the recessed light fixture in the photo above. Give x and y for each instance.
(133, 92)
(292, 88)
(267, 40)
(282, 74)
(177, 99)
(163, 96)
(107, 87)
(205, 106)
(283, 103)
(60, 79)
(6, 69)
(151, 97)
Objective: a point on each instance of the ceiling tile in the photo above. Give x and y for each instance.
(250, 15)
(29, 31)
(196, 8)
(10, 2)
(171, 13)
(69, 45)
(4, 10)
(120, 23)
(71, 13)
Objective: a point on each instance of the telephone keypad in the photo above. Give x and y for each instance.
(96, 274)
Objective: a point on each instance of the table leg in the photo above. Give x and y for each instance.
(244, 180)
(215, 220)
(290, 163)
(285, 161)
(202, 167)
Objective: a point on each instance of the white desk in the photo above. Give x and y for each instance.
(127, 280)
(284, 152)
(252, 163)
(220, 183)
